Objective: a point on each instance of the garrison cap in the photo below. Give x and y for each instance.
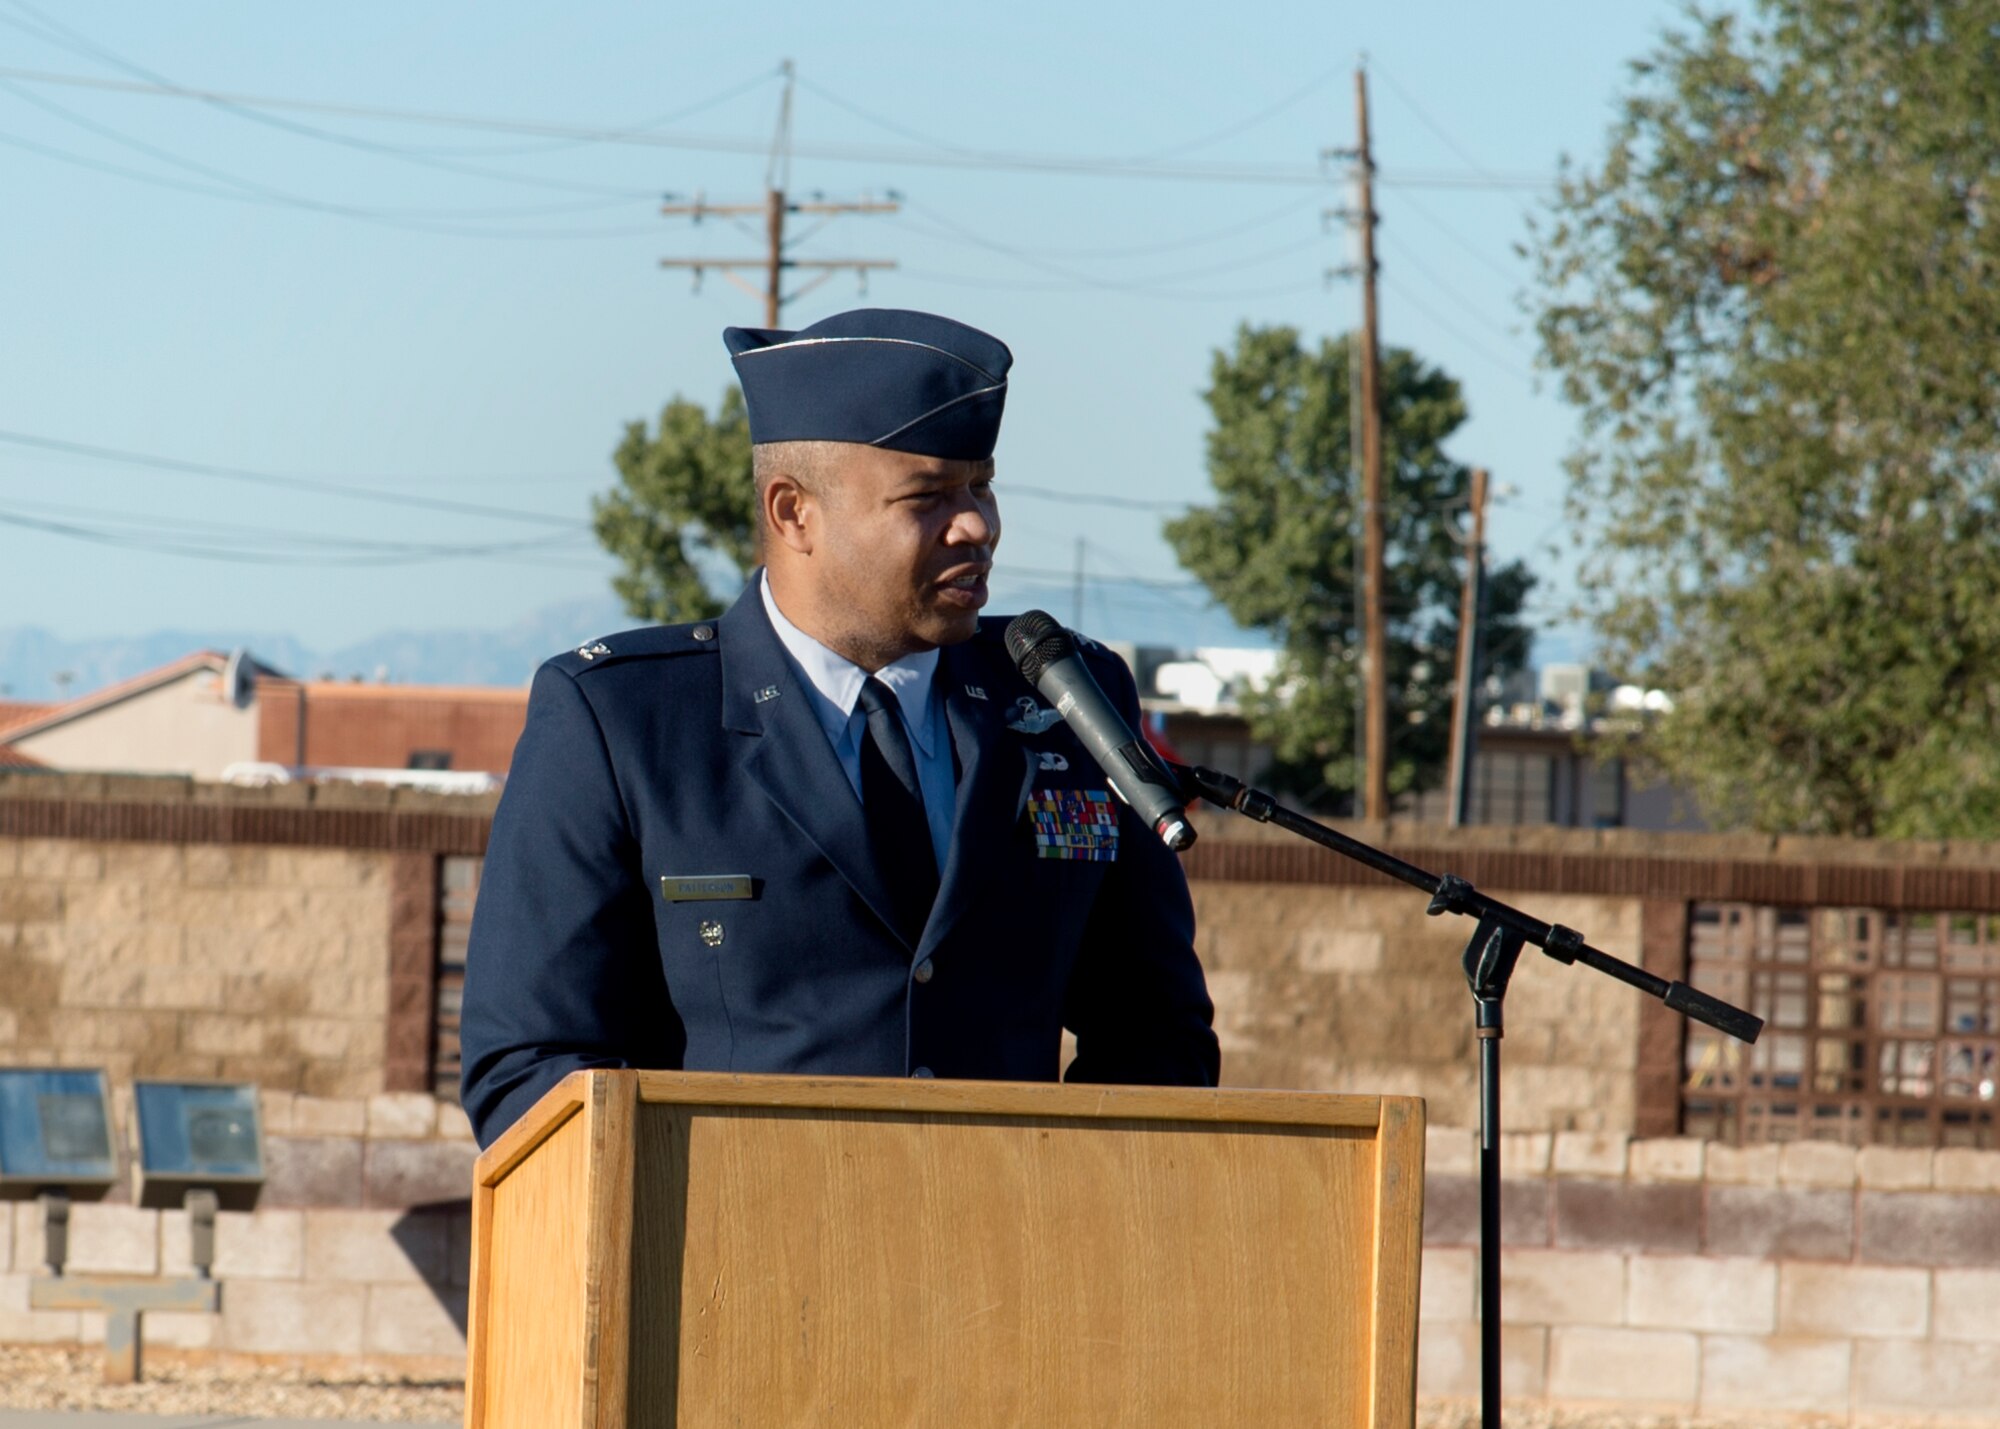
(880, 377)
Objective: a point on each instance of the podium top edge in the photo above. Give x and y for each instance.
(1058, 1101)
(1067, 1100)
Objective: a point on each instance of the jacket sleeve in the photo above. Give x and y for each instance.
(1138, 1002)
(562, 970)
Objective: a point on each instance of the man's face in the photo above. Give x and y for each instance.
(903, 550)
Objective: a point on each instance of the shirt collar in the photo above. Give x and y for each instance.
(839, 680)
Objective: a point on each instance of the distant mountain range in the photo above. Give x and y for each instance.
(34, 662)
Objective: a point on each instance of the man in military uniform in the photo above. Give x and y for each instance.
(834, 831)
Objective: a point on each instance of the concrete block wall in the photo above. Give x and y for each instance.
(1335, 988)
(156, 959)
(1696, 1278)
(358, 1250)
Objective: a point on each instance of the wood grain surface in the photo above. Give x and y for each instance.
(531, 1371)
(849, 1251)
(883, 1268)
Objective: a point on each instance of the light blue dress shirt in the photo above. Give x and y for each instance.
(835, 683)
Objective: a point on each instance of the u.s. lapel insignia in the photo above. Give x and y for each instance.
(765, 695)
(1031, 718)
(593, 650)
(978, 692)
(1050, 761)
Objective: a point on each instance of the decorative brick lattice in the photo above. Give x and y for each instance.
(1883, 1026)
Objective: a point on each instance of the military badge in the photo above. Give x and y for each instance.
(1031, 718)
(1074, 824)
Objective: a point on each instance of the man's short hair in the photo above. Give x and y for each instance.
(810, 464)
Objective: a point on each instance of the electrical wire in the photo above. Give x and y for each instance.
(1082, 166)
(1146, 250)
(1150, 284)
(289, 483)
(1474, 345)
(194, 546)
(79, 44)
(1405, 256)
(1423, 117)
(254, 189)
(65, 156)
(1086, 498)
(234, 195)
(1006, 285)
(1465, 245)
(1172, 152)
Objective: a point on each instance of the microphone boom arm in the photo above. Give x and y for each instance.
(1452, 894)
(1500, 934)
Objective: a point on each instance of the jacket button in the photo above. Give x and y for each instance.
(923, 1074)
(923, 971)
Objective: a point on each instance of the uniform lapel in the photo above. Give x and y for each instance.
(993, 779)
(785, 752)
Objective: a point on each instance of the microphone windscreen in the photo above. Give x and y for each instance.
(1037, 641)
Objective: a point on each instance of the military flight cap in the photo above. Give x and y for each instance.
(880, 377)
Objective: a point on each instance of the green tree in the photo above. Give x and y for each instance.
(1775, 300)
(1277, 551)
(684, 492)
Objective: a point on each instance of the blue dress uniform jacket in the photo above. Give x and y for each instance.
(692, 751)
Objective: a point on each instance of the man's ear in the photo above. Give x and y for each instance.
(791, 513)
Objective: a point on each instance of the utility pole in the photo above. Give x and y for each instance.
(1375, 788)
(776, 205)
(1471, 608)
(1076, 623)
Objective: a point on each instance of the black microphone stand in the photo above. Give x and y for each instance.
(1499, 935)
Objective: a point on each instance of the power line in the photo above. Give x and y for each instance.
(83, 45)
(1142, 582)
(290, 483)
(1149, 284)
(1507, 365)
(1086, 498)
(50, 151)
(1465, 244)
(1424, 118)
(775, 208)
(1446, 289)
(1172, 152)
(1144, 250)
(1010, 285)
(256, 189)
(79, 44)
(1083, 166)
(195, 546)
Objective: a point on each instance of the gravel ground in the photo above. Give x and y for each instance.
(1464, 1414)
(35, 1378)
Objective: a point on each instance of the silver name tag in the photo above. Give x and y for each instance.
(708, 888)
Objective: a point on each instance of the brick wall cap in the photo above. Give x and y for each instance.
(73, 787)
(1589, 1153)
(1741, 1165)
(402, 1115)
(1961, 1168)
(1448, 1150)
(1894, 1168)
(1668, 1158)
(1816, 1163)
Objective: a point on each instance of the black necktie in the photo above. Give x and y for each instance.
(892, 801)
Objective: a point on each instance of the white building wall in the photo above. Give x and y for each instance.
(186, 726)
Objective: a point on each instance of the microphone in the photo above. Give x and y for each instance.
(1047, 655)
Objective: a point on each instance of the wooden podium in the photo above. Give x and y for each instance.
(667, 1248)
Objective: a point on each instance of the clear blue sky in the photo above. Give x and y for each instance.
(370, 318)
